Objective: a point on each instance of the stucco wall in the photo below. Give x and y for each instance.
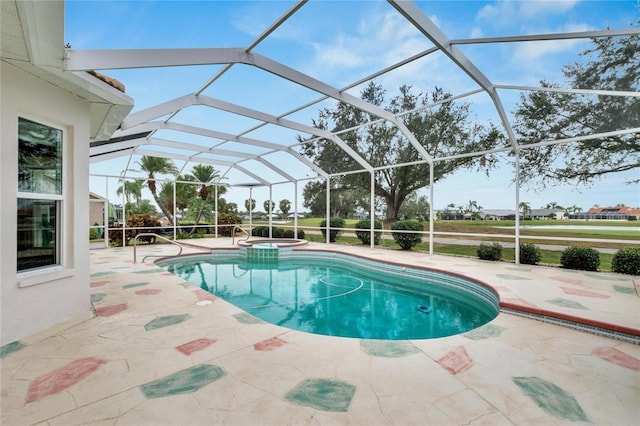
(31, 304)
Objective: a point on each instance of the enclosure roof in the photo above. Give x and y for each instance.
(237, 127)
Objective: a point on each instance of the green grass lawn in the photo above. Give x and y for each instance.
(548, 257)
(504, 228)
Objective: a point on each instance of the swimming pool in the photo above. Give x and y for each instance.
(342, 295)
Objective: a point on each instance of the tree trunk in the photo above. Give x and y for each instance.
(152, 188)
(199, 215)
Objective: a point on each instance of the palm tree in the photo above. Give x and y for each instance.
(205, 174)
(126, 190)
(554, 205)
(474, 208)
(249, 204)
(285, 207)
(184, 192)
(525, 207)
(269, 205)
(131, 188)
(153, 166)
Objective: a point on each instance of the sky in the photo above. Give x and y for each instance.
(340, 42)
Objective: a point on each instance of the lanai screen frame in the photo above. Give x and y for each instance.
(138, 129)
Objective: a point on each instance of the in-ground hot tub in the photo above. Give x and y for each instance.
(273, 242)
(268, 249)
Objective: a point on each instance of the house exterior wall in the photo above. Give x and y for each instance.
(96, 210)
(35, 300)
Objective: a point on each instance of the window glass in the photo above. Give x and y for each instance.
(39, 158)
(37, 233)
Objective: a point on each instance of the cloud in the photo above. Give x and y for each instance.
(530, 9)
(534, 50)
(476, 32)
(339, 55)
(508, 13)
(379, 40)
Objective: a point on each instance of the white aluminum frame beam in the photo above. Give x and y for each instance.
(156, 125)
(547, 36)
(214, 134)
(177, 104)
(142, 58)
(203, 160)
(415, 16)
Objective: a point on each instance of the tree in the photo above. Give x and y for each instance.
(525, 207)
(574, 209)
(154, 166)
(205, 174)
(285, 207)
(553, 205)
(449, 212)
(269, 206)
(143, 207)
(612, 63)
(474, 208)
(131, 188)
(443, 130)
(415, 207)
(343, 201)
(183, 193)
(250, 204)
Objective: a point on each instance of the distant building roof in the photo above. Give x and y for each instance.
(543, 212)
(631, 211)
(499, 212)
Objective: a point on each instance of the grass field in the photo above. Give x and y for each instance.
(548, 257)
(500, 233)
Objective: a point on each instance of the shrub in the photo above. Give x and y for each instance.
(334, 222)
(491, 251)
(288, 233)
(142, 221)
(365, 236)
(260, 231)
(93, 234)
(115, 237)
(581, 258)
(277, 233)
(626, 261)
(136, 221)
(529, 254)
(227, 219)
(407, 240)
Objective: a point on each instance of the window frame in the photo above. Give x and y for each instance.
(46, 273)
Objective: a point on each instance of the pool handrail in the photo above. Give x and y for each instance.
(152, 234)
(233, 234)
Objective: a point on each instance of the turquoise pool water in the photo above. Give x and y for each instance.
(342, 295)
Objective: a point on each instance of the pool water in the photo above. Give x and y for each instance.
(336, 298)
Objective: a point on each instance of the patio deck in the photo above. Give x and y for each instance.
(159, 351)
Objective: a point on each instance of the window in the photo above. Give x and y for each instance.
(39, 195)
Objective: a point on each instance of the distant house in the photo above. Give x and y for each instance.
(557, 214)
(97, 206)
(607, 213)
(498, 214)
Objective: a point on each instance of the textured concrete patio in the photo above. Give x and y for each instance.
(159, 351)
